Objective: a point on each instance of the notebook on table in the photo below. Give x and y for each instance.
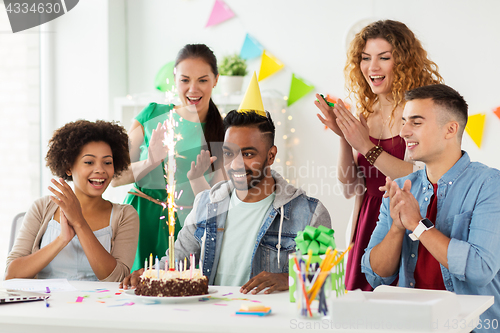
(9, 296)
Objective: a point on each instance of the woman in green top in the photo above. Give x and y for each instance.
(199, 126)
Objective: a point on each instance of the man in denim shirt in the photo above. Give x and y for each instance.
(247, 249)
(461, 242)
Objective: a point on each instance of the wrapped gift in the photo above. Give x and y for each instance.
(315, 242)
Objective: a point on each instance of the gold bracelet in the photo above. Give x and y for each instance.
(372, 155)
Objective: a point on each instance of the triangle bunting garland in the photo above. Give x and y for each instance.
(298, 89)
(475, 127)
(251, 48)
(220, 13)
(269, 65)
(497, 112)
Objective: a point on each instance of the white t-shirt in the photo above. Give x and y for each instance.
(243, 222)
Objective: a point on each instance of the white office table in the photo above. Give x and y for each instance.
(98, 313)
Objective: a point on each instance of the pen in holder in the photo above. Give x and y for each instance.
(312, 280)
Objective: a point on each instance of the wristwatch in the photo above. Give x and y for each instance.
(423, 225)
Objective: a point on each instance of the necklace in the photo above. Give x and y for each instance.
(383, 126)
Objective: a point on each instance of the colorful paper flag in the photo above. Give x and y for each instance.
(251, 48)
(497, 112)
(220, 13)
(165, 73)
(298, 89)
(269, 65)
(475, 127)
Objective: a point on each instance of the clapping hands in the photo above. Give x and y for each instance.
(404, 208)
(341, 121)
(71, 215)
(157, 152)
(203, 162)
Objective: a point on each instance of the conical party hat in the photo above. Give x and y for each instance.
(252, 101)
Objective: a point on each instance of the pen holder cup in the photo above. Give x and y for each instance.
(334, 283)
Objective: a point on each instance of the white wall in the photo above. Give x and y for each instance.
(85, 53)
(19, 126)
(106, 49)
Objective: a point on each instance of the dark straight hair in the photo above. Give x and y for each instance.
(214, 127)
(446, 97)
(252, 119)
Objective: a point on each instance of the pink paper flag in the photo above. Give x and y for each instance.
(79, 299)
(220, 13)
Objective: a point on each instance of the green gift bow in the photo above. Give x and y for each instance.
(315, 239)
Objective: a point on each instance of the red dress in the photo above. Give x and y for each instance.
(369, 212)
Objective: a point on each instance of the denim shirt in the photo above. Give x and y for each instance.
(468, 212)
(204, 227)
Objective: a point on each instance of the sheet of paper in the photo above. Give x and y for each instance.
(39, 285)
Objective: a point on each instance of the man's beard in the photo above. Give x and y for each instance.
(256, 176)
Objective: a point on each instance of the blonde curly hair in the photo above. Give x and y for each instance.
(412, 68)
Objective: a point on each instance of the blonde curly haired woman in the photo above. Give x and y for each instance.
(384, 60)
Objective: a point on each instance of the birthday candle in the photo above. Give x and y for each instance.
(176, 264)
(191, 265)
(150, 261)
(157, 264)
(146, 264)
(185, 263)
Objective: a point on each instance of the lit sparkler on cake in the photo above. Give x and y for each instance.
(176, 279)
(170, 140)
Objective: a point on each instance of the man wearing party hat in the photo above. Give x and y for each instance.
(243, 229)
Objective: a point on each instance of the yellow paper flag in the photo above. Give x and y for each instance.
(475, 127)
(269, 65)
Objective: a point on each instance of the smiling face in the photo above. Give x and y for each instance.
(247, 156)
(424, 134)
(93, 169)
(377, 65)
(195, 80)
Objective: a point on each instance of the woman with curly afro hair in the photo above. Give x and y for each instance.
(89, 154)
(384, 60)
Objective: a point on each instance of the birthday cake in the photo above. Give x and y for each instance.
(172, 283)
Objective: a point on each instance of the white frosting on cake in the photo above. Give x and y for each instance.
(168, 275)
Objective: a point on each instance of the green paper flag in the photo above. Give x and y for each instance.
(166, 72)
(298, 89)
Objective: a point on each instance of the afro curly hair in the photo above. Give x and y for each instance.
(67, 143)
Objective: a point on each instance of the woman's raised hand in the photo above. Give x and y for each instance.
(68, 203)
(329, 119)
(203, 162)
(354, 131)
(67, 231)
(157, 152)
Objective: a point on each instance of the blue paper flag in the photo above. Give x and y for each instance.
(251, 48)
